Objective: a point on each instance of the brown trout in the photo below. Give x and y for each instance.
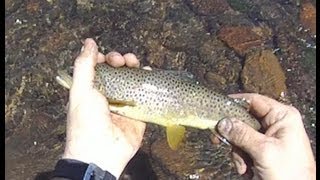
(163, 98)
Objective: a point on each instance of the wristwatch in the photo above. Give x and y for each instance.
(78, 170)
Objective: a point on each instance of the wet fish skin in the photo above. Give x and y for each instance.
(163, 98)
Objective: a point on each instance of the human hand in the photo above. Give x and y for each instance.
(94, 135)
(282, 152)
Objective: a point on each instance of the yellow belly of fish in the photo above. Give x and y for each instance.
(169, 119)
(174, 123)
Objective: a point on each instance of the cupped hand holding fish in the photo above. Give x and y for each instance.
(282, 152)
(94, 135)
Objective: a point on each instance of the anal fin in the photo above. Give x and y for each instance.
(175, 136)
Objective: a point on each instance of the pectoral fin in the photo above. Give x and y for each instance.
(175, 135)
(120, 103)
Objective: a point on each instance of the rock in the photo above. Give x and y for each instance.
(32, 6)
(85, 4)
(262, 73)
(12, 5)
(54, 40)
(209, 7)
(175, 60)
(211, 51)
(181, 30)
(179, 35)
(198, 71)
(144, 6)
(215, 79)
(162, 58)
(223, 66)
(308, 17)
(178, 162)
(243, 38)
(156, 52)
(239, 5)
(223, 74)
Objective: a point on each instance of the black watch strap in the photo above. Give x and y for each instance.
(78, 170)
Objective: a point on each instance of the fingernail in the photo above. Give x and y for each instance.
(114, 54)
(225, 126)
(82, 48)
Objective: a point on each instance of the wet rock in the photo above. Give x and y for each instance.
(222, 65)
(12, 5)
(156, 53)
(239, 5)
(211, 51)
(215, 79)
(208, 7)
(177, 162)
(288, 48)
(144, 6)
(55, 40)
(308, 17)
(32, 6)
(198, 157)
(198, 71)
(243, 39)
(271, 12)
(121, 4)
(181, 30)
(262, 73)
(175, 61)
(309, 60)
(68, 8)
(223, 74)
(85, 4)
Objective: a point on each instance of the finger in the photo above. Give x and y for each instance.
(101, 58)
(115, 59)
(83, 72)
(275, 114)
(131, 60)
(260, 105)
(239, 162)
(241, 135)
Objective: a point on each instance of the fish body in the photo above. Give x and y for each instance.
(163, 98)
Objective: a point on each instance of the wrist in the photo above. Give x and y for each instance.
(109, 164)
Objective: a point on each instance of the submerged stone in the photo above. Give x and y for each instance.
(243, 38)
(308, 17)
(262, 73)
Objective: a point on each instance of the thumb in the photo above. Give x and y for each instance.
(83, 73)
(241, 135)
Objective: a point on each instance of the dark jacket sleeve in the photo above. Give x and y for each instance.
(70, 169)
